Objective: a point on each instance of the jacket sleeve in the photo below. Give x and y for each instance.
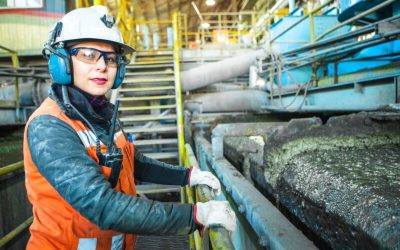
(62, 159)
(150, 170)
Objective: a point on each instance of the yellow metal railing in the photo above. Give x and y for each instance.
(178, 89)
(228, 28)
(224, 27)
(11, 235)
(145, 37)
(11, 167)
(219, 237)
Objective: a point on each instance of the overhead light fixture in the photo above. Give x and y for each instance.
(197, 11)
(205, 25)
(210, 2)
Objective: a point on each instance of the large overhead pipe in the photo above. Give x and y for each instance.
(230, 101)
(31, 93)
(218, 71)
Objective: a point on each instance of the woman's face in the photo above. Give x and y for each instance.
(94, 76)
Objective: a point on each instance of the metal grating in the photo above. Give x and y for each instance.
(162, 242)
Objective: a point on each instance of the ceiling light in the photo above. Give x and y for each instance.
(205, 25)
(210, 2)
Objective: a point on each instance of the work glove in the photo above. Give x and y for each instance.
(198, 177)
(214, 213)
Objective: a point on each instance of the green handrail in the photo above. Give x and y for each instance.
(11, 235)
(178, 89)
(9, 168)
(219, 237)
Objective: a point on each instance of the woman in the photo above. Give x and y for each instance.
(81, 183)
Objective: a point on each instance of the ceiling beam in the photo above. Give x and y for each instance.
(169, 9)
(233, 6)
(190, 21)
(157, 16)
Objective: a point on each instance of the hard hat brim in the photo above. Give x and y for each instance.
(125, 49)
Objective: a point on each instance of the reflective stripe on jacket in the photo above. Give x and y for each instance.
(56, 224)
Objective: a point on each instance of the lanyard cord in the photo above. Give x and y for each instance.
(68, 104)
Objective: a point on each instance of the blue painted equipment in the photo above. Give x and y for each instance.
(350, 8)
(349, 69)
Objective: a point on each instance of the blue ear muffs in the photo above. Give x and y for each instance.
(59, 67)
(119, 77)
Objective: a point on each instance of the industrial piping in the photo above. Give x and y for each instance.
(218, 71)
(229, 101)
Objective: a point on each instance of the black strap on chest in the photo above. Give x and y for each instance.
(113, 157)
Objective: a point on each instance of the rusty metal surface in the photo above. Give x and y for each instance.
(351, 197)
(338, 180)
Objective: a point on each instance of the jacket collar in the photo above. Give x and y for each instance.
(100, 120)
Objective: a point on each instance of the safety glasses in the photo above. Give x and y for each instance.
(91, 56)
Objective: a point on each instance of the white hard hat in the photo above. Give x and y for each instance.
(85, 24)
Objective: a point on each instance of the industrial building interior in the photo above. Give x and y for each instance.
(292, 104)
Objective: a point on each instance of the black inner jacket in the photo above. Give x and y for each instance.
(97, 110)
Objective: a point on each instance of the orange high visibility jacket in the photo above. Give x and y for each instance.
(56, 224)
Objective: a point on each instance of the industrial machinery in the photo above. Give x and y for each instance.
(295, 108)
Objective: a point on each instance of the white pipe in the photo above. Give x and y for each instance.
(218, 71)
(26, 92)
(230, 101)
(291, 5)
(197, 11)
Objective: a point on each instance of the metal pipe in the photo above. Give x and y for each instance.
(187, 197)
(197, 11)
(367, 29)
(12, 167)
(11, 235)
(27, 93)
(291, 6)
(218, 71)
(15, 62)
(279, 4)
(342, 49)
(178, 91)
(301, 19)
(326, 42)
(355, 18)
(352, 49)
(229, 13)
(6, 74)
(311, 17)
(220, 238)
(243, 100)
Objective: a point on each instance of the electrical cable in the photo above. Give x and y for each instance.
(276, 59)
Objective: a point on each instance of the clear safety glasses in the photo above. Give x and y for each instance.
(91, 56)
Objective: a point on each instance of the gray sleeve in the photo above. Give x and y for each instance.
(62, 159)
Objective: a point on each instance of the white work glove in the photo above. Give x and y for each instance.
(215, 213)
(198, 177)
